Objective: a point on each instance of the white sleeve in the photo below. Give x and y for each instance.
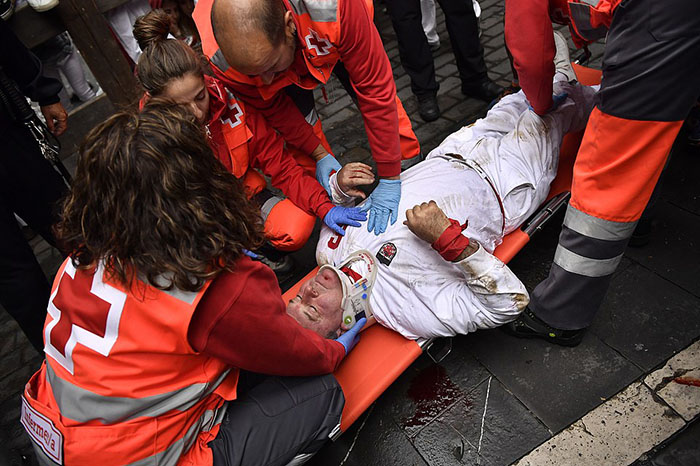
(483, 293)
(337, 195)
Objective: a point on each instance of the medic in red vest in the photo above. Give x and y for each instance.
(651, 65)
(159, 327)
(310, 39)
(241, 138)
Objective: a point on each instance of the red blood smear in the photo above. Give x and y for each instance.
(432, 391)
(687, 381)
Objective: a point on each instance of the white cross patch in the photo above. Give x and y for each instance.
(233, 106)
(321, 46)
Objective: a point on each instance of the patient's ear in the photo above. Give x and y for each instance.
(344, 327)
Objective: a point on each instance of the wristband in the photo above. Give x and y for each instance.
(451, 242)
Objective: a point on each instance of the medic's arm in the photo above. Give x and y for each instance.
(269, 155)
(363, 54)
(530, 39)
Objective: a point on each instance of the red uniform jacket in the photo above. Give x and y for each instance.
(529, 35)
(359, 47)
(241, 138)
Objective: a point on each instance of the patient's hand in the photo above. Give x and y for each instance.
(427, 221)
(352, 175)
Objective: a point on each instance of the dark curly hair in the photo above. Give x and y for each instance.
(149, 198)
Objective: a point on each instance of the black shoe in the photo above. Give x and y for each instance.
(486, 90)
(528, 325)
(642, 234)
(7, 7)
(428, 107)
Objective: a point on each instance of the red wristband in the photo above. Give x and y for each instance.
(451, 242)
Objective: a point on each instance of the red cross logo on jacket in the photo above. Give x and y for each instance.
(236, 116)
(320, 46)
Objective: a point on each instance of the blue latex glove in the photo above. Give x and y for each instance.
(338, 216)
(251, 254)
(324, 168)
(350, 338)
(557, 100)
(383, 204)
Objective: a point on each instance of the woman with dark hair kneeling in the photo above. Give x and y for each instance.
(157, 313)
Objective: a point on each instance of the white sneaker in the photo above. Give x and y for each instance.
(562, 61)
(42, 5)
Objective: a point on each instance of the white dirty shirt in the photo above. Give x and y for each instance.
(417, 292)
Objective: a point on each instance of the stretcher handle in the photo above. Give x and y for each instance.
(545, 213)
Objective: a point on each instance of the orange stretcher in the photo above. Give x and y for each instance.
(382, 355)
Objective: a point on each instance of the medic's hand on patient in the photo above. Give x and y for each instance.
(324, 168)
(557, 100)
(337, 299)
(383, 205)
(338, 216)
(350, 338)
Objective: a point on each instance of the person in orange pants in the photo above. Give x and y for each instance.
(240, 138)
(299, 43)
(650, 69)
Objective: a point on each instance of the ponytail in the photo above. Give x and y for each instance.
(163, 59)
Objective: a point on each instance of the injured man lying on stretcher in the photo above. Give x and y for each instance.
(492, 176)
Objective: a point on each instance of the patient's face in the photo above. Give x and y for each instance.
(317, 304)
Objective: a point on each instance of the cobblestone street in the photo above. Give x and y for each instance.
(497, 400)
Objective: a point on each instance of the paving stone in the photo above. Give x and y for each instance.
(377, 442)
(449, 69)
(338, 118)
(682, 450)
(617, 432)
(446, 57)
(501, 68)
(13, 382)
(558, 384)
(9, 331)
(391, 53)
(334, 106)
(402, 82)
(674, 249)
(509, 430)
(446, 102)
(678, 382)
(466, 110)
(426, 133)
(448, 84)
(647, 318)
(680, 187)
(426, 389)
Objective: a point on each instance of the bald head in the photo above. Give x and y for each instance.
(254, 35)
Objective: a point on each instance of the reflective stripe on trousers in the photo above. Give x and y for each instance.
(589, 251)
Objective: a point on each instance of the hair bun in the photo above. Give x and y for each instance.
(151, 28)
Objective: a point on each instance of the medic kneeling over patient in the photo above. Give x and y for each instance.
(158, 325)
(241, 139)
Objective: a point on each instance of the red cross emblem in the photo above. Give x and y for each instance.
(320, 46)
(233, 105)
(96, 326)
